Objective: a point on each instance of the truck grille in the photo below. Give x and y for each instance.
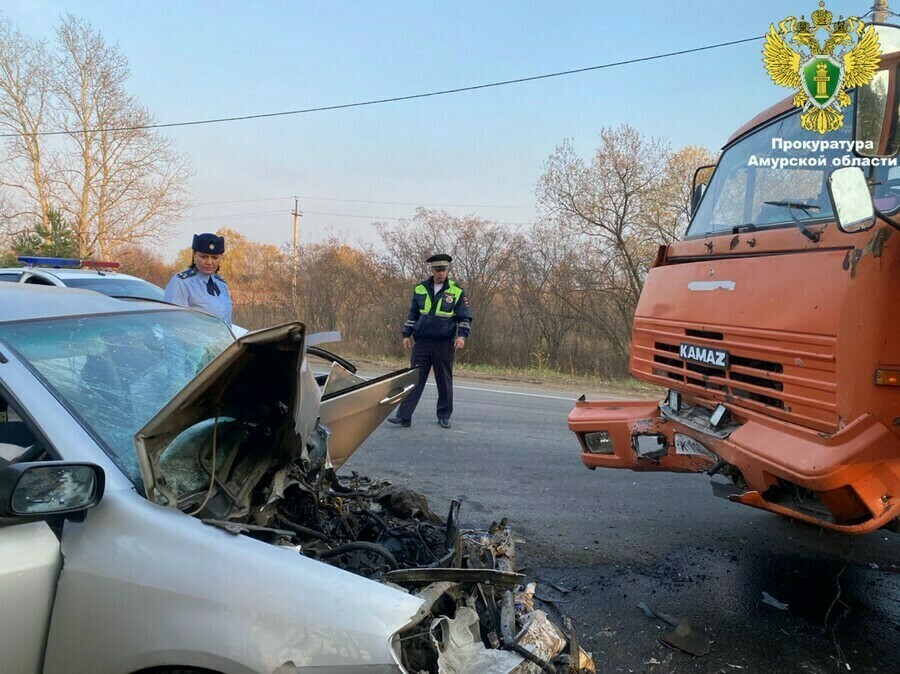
(790, 376)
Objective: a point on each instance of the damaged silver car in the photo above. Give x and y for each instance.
(225, 540)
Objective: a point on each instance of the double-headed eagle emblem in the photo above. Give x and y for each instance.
(821, 72)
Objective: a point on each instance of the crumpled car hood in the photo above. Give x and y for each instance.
(255, 406)
(257, 369)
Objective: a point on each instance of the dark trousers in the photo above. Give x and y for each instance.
(428, 354)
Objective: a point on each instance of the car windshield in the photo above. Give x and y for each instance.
(118, 287)
(115, 372)
(757, 183)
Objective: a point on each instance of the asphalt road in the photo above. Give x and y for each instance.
(608, 540)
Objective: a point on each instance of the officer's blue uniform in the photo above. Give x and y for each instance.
(196, 290)
(435, 320)
(192, 289)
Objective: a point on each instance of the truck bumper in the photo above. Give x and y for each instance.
(854, 474)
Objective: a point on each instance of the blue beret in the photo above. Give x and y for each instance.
(209, 243)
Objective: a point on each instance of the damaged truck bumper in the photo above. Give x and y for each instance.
(848, 481)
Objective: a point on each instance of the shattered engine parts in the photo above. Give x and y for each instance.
(469, 622)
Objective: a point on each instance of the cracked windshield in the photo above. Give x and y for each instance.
(115, 372)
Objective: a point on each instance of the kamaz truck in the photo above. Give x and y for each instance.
(774, 325)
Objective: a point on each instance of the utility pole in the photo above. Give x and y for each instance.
(880, 11)
(297, 214)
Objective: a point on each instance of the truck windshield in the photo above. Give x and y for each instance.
(755, 186)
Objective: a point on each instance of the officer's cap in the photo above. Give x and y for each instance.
(209, 243)
(439, 262)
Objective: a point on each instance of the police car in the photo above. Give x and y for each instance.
(94, 275)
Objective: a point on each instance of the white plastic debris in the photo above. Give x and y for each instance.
(460, 650)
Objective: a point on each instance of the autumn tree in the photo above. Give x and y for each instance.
(670, 210)
(146, 263)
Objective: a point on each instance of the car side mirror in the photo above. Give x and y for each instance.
(851, 199)
(46, 488)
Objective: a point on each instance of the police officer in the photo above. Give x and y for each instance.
(439, 319)
(199, 286)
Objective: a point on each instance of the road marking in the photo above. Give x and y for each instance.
(493, 390)
(512, 393)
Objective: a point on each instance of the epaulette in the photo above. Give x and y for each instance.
(219, 278)
(187, 273)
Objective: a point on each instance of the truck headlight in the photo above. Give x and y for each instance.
(598, 442)
(674, 400)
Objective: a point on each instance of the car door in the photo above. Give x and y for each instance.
(30, 562)
(354, 412)
(352, 406)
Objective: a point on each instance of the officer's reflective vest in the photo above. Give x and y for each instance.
(448, 299)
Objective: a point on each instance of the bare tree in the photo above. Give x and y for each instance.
(24, 105)
(114, 179)
(122, 183)
(481, 249)
(611, 200)
(544, 289)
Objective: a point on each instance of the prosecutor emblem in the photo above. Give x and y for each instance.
(821, 72)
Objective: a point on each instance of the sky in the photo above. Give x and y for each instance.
(477, 152)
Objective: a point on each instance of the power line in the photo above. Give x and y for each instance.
(395, 99)
(232, 216)
(382, 217)
(359, 201)
(407, 203)
(269, 214)
(241, 201)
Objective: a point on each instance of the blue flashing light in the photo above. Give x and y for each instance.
(49, 261)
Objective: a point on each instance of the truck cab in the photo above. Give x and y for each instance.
(773, 331)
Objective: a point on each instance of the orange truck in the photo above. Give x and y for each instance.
(774, 325)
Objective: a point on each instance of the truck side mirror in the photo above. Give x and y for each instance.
(702, 176)
(45, 488)
(851, 199)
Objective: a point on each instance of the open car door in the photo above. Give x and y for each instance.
(353, 412)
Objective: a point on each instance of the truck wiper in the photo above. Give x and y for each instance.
(799, 205)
